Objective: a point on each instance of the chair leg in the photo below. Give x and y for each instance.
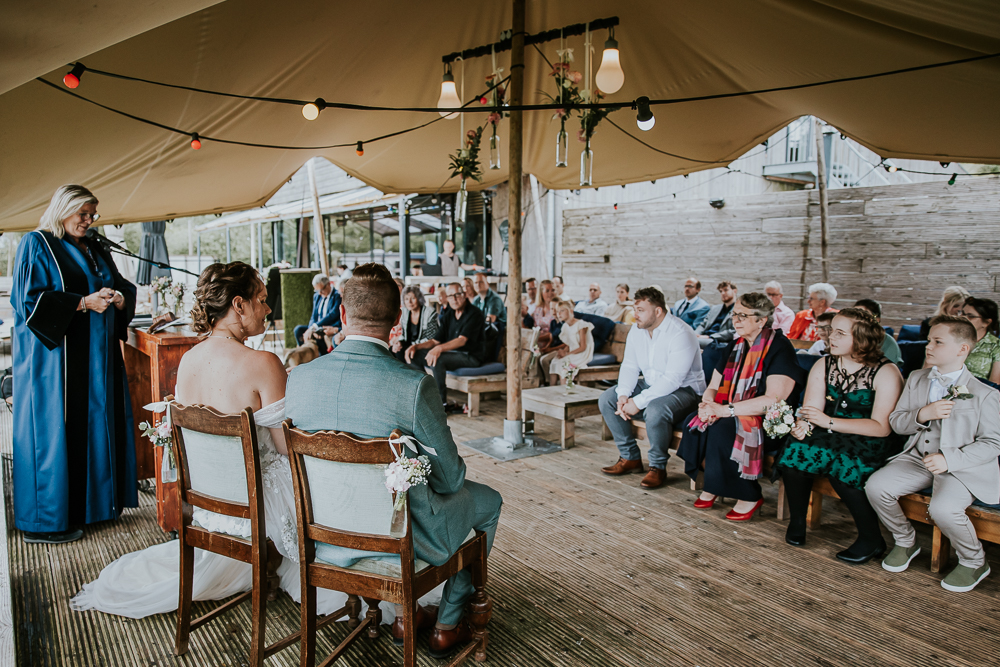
(258, 617)
(375, 614)
(184, 599)
(782, 502)
(307, 648)
(815, 513)
(480, 612)
(940, 550)
(410, 635)
(353, 611)
(473, 403)
(273, 580)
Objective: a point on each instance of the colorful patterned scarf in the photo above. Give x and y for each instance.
(747, 450)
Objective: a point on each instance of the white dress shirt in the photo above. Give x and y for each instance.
(367, 339)
(938, 390)
(783, 318)
(668, 359)
(596, 307)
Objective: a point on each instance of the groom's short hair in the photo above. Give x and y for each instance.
(371, 298)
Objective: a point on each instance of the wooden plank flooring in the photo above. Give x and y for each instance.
(586, 570)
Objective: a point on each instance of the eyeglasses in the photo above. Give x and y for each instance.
(971, 316)
(741, 317)
(454, 296)
(89, 216)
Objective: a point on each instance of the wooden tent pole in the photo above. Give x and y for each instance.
(318, 222)
(824, 203)
(515, 151)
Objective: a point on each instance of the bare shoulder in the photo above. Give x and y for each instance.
(889, 374)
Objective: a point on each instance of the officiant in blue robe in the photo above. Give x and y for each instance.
(74, 450)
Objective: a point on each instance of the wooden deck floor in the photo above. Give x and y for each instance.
(586, 570)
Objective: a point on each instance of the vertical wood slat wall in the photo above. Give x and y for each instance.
(899, 244)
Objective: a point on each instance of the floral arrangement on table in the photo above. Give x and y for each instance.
(465, 163)
(161, 436)
(778, 420)
(406, 472)
(569, 375)
(169, 292)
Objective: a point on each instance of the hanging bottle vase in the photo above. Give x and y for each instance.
(586, 165)
(494, 151)
(168, 468)
(562, 146)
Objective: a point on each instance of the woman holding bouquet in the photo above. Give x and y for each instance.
(843, 430)
(758, 369)
(577, 349)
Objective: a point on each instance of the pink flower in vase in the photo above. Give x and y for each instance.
(581, 136)
(493, 118)
(575, 77)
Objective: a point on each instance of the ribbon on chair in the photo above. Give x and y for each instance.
(411, 443)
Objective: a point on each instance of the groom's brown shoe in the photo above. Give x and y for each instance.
(654, 479)
(624, 467)
(425, 618)
(443, 642)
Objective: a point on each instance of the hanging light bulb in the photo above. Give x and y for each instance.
(890, 167)
(311, 111)
(951, 181)
(72, 78)
(195, 141)
(644, 118)
(610, 76)
(944, 165)
(360, 150)
(449, 95)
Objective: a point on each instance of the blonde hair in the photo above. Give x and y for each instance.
(538, 296)
(951, 296)
(66, 201)
(558, 304)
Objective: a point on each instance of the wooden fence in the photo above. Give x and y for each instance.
(899, 244)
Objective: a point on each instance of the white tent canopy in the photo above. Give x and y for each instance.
(389, 53)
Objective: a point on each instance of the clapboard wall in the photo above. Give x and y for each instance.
(899, 244)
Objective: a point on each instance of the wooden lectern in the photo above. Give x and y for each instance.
(151, 362)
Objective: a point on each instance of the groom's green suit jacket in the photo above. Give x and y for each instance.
(362, 389)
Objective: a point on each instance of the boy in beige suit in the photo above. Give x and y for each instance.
(954, 421)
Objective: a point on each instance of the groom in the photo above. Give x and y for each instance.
(361, 388)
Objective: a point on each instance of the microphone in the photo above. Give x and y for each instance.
(103, 240)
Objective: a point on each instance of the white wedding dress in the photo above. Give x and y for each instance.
(146, 582)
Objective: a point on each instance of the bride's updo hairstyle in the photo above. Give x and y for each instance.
(217, 286)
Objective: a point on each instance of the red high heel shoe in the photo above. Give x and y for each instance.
(733, 515)
(705, 504)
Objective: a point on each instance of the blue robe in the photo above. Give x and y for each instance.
(74, 449)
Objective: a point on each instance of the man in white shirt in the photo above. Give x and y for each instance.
(596, 305)
(783, 315)
(665, 351)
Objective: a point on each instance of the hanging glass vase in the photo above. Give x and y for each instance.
(586, 165)
(494, 150)
(168, 468)
(562, 146)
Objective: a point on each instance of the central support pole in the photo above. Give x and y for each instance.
(824, 202)
(512, 426)
(318, 221)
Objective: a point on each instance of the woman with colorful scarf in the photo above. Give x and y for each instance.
(843, 430)
(758, 369)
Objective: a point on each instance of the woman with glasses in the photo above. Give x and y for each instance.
(758, 369)
(74, 451)
(984, 360)
(843, 430)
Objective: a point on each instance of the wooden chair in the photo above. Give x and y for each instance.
(208, 445)
(341, 500)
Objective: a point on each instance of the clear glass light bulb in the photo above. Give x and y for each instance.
(310, 111)
(610, 76)
(449, 100)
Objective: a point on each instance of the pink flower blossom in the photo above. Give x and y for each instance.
(580, 136)
(493, 118)
(471, 134)
(561, 113)
(575, 77)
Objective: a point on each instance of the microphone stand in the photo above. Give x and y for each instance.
(111, 246)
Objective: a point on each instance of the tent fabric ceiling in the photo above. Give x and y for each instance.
(389, 53)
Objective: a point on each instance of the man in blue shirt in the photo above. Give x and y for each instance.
(487, 300)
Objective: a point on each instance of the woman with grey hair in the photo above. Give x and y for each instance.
(821, 298)
(757, 370)
(420, 322)
(74, 450)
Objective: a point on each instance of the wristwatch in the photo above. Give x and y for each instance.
(732, 410)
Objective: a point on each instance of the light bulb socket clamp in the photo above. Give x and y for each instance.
(642, 107)
(612, 43)
(78, 70)
(320, 103)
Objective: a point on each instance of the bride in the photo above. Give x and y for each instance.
(225, 374)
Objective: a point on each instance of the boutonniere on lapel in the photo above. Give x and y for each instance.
(958, 392)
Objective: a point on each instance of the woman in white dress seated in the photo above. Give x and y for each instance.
(577, 348)
(223, 373)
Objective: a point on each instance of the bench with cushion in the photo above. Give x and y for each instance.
(607, 358)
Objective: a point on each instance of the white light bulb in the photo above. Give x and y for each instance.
(449, 98)
(646, 125)
(310, 111)
(610, 76)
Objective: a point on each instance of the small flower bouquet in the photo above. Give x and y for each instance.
(778, 420)
(405, 472)
(167, 292)
(465, 163)
(160, 435)
(569, 375)
(958, 392)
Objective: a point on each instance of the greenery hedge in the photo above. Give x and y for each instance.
(296, 300)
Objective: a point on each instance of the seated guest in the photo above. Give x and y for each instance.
(692, 309)
(420, 322)
(717, 327)
(848, 400)
(783, 315)
(821, 298)
(343, 275)
(664, 350)
(530, 292)
(375, 394)
(952, 300)
(890, 348)
(469, 288)
(984, 360)
(457, 344)
(325, 318)
(577, 345)
(487, 300)
(560, 289)
(758, 369)
(954, 424)
(544, 313)
(622, 309)
(595, 305)
(824, 325)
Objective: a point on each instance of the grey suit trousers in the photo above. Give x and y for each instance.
(661, 415)
(907, 474)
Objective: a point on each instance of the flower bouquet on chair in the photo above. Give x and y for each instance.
(161, 436)
(778, 420)
(402, 474)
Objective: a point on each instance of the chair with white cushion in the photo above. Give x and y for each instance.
(341, 500)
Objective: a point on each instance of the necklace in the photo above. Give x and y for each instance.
(844, 381)
(212, 335)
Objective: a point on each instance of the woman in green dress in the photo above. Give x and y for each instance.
(843, 430)
(984, 360)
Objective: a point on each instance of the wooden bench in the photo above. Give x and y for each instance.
(615, 345)
(477, 385)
